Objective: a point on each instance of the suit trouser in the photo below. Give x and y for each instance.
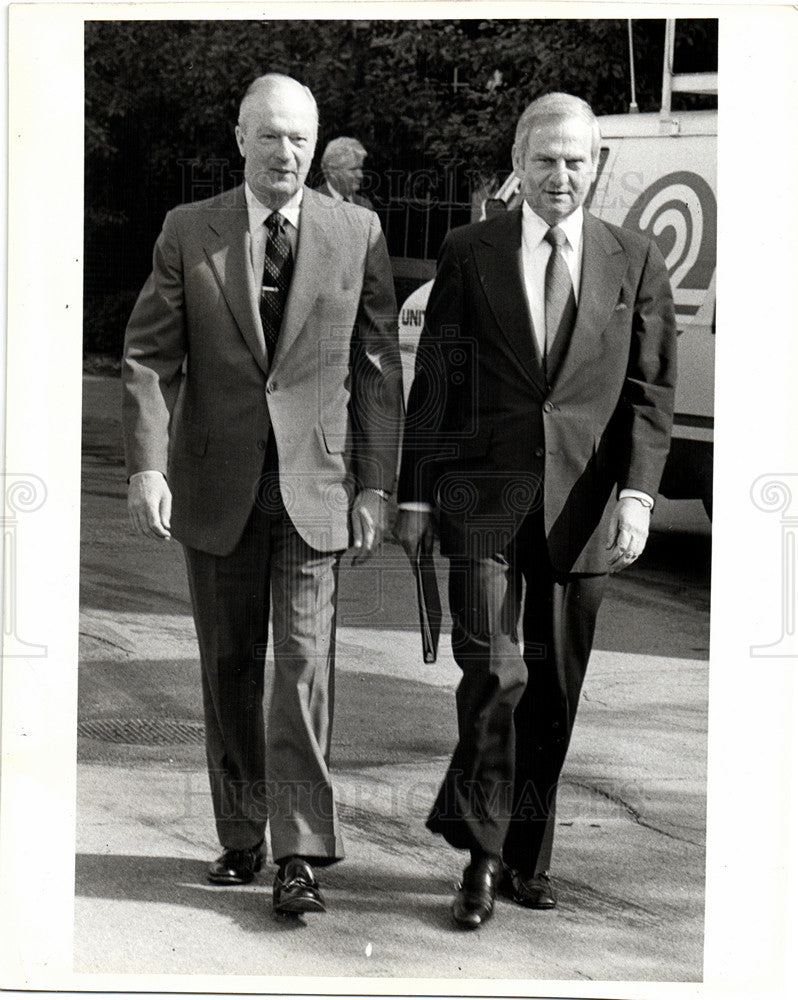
(515, 710)
(281, 775)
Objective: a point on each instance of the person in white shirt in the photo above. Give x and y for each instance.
(537, 429)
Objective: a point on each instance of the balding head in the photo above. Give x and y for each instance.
(276, 134)
(275, 86)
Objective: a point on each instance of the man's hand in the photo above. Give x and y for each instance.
(627, 533)
(149, 503)
(414, 527)
(368, 524)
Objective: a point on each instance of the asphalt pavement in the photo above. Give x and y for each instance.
(629, 851)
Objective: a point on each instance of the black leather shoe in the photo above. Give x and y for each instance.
(476, 894)
(533, 891)
(297, 891)
(236, 867)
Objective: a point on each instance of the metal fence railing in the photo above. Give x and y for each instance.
(415, 229)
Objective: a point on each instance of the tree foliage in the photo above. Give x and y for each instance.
(435, 102)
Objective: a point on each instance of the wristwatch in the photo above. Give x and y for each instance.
(384, 494)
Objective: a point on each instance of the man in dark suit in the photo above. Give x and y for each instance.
(342, 165)
(262, 400)
(538, 425)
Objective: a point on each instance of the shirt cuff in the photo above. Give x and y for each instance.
(145, 472)
(417, 505)
(644, 498)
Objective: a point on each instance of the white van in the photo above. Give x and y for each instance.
(657, 173)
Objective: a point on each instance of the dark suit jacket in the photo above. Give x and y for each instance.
(356, 199)
(488, 441)
(201, 393)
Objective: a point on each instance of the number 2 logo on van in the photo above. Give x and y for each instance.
(680, 212)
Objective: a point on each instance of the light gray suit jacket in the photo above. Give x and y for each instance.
(201, 394)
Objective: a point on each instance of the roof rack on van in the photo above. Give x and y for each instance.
(681, 83)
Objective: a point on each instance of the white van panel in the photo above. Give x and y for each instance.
(666, 187)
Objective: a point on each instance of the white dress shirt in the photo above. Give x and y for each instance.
(535, 252)
(335, 194)
(257, 214)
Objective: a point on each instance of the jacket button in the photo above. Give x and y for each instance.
(548, 406)
(262, 444)
(539, 452)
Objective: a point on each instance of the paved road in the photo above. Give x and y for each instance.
(629, 860)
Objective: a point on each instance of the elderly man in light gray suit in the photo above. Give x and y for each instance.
(262, 403)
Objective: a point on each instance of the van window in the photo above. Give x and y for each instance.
(604, 152)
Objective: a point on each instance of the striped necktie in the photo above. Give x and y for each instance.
(278, 266)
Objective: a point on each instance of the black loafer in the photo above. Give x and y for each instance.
(476, 894)
(533, 891)
(236, 867)
(297, 890)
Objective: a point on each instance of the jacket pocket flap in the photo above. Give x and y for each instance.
(335, 438)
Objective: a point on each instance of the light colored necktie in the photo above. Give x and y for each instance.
(560, 302)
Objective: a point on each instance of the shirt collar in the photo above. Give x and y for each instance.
(534, 228)
(258, 213)
(334, 192)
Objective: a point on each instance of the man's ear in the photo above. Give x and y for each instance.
(240, 139)
(518, 166)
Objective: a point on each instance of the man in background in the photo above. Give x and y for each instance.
(342, 165)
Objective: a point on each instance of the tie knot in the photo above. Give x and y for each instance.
(274, 223)
(555, 237)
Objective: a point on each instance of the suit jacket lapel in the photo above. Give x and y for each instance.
(314, 249)
(228, 249)
(603, 267)
(497, 251)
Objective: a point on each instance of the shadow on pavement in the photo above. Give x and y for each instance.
(182, 882)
